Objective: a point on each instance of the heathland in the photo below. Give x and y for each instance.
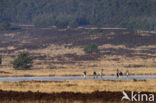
(55, 33)
(79, 91)
(61, 52)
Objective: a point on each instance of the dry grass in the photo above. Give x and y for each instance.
(138, 60)
(55, 50)
(83, 86)
(136, 65)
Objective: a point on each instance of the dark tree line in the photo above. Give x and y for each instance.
(133, 14)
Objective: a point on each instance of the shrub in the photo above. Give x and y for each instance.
(43, 20)
(98, 30)
(5, 26)
(61, 25)
(0, 60)
(91, 48)
(73, 24)
(23, 62)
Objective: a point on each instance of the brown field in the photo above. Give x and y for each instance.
(83, 86)
(80, 91)
(64, 97)
(60, 52)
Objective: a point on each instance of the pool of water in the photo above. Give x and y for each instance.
(63, 78)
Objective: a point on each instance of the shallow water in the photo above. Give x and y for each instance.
(63, 78)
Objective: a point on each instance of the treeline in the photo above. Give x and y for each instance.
(133, 14)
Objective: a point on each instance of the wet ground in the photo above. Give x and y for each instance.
(63, 78)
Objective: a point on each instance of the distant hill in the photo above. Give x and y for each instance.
(132, 14)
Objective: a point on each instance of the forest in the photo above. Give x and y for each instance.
(131, 14)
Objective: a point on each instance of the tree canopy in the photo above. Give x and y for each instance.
(23, 62)
(133, 14)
